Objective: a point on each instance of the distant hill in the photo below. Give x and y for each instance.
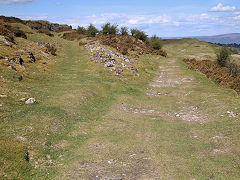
(222, 39)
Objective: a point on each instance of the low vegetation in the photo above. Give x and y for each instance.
(45, 31)
(223, 56)
(155, 42)
(9, 32)
(224, 76)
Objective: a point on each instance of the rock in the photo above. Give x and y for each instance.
(119, 70)
(12, 68)
(20, 60)
(31, 56)
(231, 114)
(24, 99)
(30, 101)
(109, 64)
(3, 96)
(1, 105)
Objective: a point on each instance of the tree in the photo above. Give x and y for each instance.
(92, 30)
(124, 31)
(110, 29)
(105, 28)
(81, 30)
(133, 32)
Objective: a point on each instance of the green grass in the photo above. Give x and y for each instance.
(79, 125)
(73, 92)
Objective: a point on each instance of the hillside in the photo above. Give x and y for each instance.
(111, 107)
(222, 39)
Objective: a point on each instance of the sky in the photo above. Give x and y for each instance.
(165, 18)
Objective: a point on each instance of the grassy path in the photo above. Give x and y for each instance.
(179, 128)
(89, 124)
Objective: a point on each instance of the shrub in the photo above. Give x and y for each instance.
(141, 35)
(233, 50)
(156, 42)
(124, 31)
(133, 32)
(105, 28)
(110, 29)
(81, 30)
(92, 30)
(223, 56)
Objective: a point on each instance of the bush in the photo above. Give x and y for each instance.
(124, 31)
(141, 35)
(92, 30)
(133, 32)
(81, 30)
(223, 56)
(233, 50)
(156, 42)
(109, 29)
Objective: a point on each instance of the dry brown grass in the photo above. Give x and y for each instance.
(73, 36)
(124, 44)
(9, 32)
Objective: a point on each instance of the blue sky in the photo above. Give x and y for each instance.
(166, 18)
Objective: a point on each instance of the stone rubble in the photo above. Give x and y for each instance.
(116, 62)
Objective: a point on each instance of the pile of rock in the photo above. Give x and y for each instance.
(49, 48)
(114, 61)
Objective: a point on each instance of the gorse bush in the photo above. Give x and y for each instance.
(141, 35)
(133, 32)
(81, 30)
(110, 29)
(92, 30)
(124, 31)
(155, 42)
(223, 56)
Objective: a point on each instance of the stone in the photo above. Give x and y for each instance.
(31, 56)
(24, 99)
(12, 68)
(119, 70)
(1, 105)
(231, 114)
(109, 64)
(3, 96)
(30, 101)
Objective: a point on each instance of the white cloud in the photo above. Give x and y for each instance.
(221, 8)
(37, 17)
(16, 1)
(237, 17)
